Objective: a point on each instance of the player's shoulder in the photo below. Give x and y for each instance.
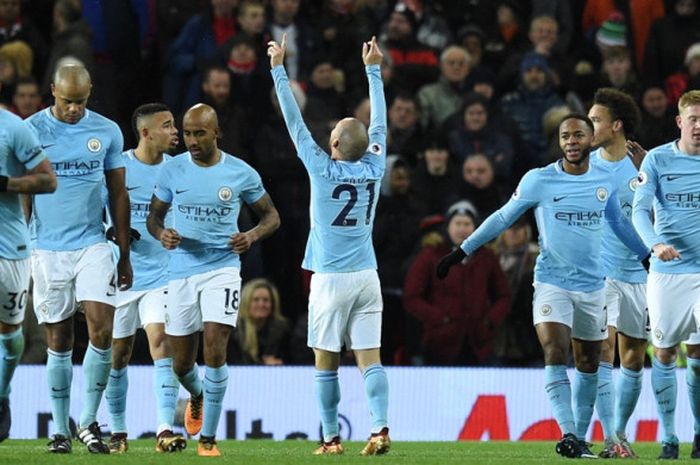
(9, 119)
(664, 150)
(100, 122)
(39, 118)
(233, 162)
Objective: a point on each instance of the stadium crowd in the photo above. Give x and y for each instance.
(475, 90)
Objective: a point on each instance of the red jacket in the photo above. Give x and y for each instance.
(460, 314)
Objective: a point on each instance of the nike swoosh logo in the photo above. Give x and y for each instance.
(132, 188)
(659, 391)
(671, 178)
(14, 314)
(46, 146)
(180, 191)
(602, 385)
(111, 294)
(557, 199)
(165, 386)
(228, 313)
(59, 389)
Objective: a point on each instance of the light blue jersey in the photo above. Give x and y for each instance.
(343, 194)
(149, 260)
(619, 262)
(19, 151)
(669, 181)
(570, 211)
(71, 217)
(206, 202)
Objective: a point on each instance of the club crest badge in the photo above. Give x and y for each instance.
(94, 145)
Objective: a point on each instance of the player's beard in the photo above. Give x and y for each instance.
(585, 153)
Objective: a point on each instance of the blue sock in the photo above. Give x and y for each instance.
(328, 397)
(377, 390)
(558, 389)
(96, 366)
(192, 382)
(215, 382)
(629, 386)
(115, 395)
(166, 389)
(59, 371)
(692, 375)
(663, 382)
(11, 348)
(605, 400)
(584, 394)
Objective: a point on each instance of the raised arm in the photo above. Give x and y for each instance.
(372, 57)
(269, 222)
(121, 215)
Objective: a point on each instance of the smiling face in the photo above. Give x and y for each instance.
(575, 139)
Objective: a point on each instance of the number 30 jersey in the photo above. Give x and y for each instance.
(343, 194)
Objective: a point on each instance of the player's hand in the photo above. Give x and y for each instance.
(371, 54)
(111, 235)
(637, 151)
(170, 238)
(125, 276)
(448, 261)
(276, 51)
(240, 242)
(665, 252)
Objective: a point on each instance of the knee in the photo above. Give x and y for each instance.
(554, 354)
(101, 337)
(665, 356)
(587, 364)
(181, 368)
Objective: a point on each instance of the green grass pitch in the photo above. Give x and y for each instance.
(252, 452)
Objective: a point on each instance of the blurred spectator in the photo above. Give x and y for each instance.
(507, 35)
(414, 64)
(637, 18)
(618, 71)
(543, 35)
(442, 98)
(433, 29)
(262, 333)
(669, 38)
(434, 179)
(527, 105)
(343, 32)
(234, 135)
(479, 185)
(562, 12)
(303, 42)
(251, 21)
(405, 135)
(362, 111)
(26, 100)
(395, 231)
(461, 314)
(14, 26)
(193, 50)
(250, 77)
(325, 106)
(471, 38)
(517, 343)
(476, 134)
(658, 119)
(687, 78)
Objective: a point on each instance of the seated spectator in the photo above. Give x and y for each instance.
(461, 314)
(251, 21)
(517, 344)
(479, 185)
(618, 72)
(658, 119)
(304, 42)
(15, 25)
(262, 333)
(471, 38)
(508, 35)
(476, 134)
(405, 135)
(686, 79)
(435, 178)
(26, 100)
(433, 29)
(325, 106)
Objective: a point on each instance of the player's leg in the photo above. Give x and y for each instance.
(693, 381)
(330, 301)
(364, 334)
(605, 398)
(126, 322)
(14, 285)
(54, 305)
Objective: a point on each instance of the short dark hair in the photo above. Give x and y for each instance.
(580, 117)
(25, 81)
(146, 109)
(621, 107)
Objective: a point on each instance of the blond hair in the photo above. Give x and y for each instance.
(250, 336)
(689, 99)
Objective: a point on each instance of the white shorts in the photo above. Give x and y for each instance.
(583, 312)
(345, 308)
(14, 285)
(62, 278)
(674, 308)
(214, 296)
(627, 308)
(137, 309)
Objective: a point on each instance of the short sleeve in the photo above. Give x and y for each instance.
(27, 148)
(252, 189)
(163, 190)
(113, 157)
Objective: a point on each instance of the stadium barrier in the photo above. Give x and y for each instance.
(426, 404)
